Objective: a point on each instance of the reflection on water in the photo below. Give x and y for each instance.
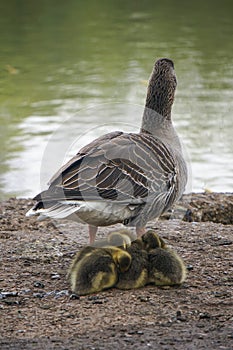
(73, 66)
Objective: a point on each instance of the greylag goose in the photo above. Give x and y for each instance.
(127, 178)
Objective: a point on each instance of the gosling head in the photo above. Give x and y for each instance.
(119, 239)
(121, 258)
(151, 240)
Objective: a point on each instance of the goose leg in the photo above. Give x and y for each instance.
(92, 233)
(140, 231)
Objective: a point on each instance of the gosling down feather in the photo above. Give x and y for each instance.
(96, 269)
(165, 266)
(119, 238)
(127, 178)
(136, 276)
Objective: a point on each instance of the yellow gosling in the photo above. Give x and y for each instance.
(136, 275)
(119, 238)
(165, 266)
(96, 269)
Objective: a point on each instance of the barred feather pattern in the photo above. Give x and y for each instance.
(136, 170)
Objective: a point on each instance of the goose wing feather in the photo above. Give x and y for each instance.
(125, 168)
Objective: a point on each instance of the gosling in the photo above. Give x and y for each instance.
(165, 266)
(152, 240)
(120, 238)
(96, 269)
(136, 276)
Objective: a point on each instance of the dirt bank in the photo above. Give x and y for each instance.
(38, 312)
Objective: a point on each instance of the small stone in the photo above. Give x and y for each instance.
(180, 317)
(74, 296)
(4, 295)
(61, 293)
(220, 294)
(25, 291)
(12, 302)
(39, 295)
(204, 315)
(46, 306)
(38, 284)
(97, 302)
(144, 299)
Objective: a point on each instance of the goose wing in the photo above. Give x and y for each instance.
(120, 167)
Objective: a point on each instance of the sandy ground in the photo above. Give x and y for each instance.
(37, 311)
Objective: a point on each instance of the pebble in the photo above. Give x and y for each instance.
(61, 293)
(39, 295)
(180, 317)
(12, 302)
(97, 302)
(74, 296)
(24, 291)
(4, 295)
(204, 315)
(144, 299)
(38, 284)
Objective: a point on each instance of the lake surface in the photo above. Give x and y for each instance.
(72, 70)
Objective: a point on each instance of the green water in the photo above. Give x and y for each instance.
(71, 69)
